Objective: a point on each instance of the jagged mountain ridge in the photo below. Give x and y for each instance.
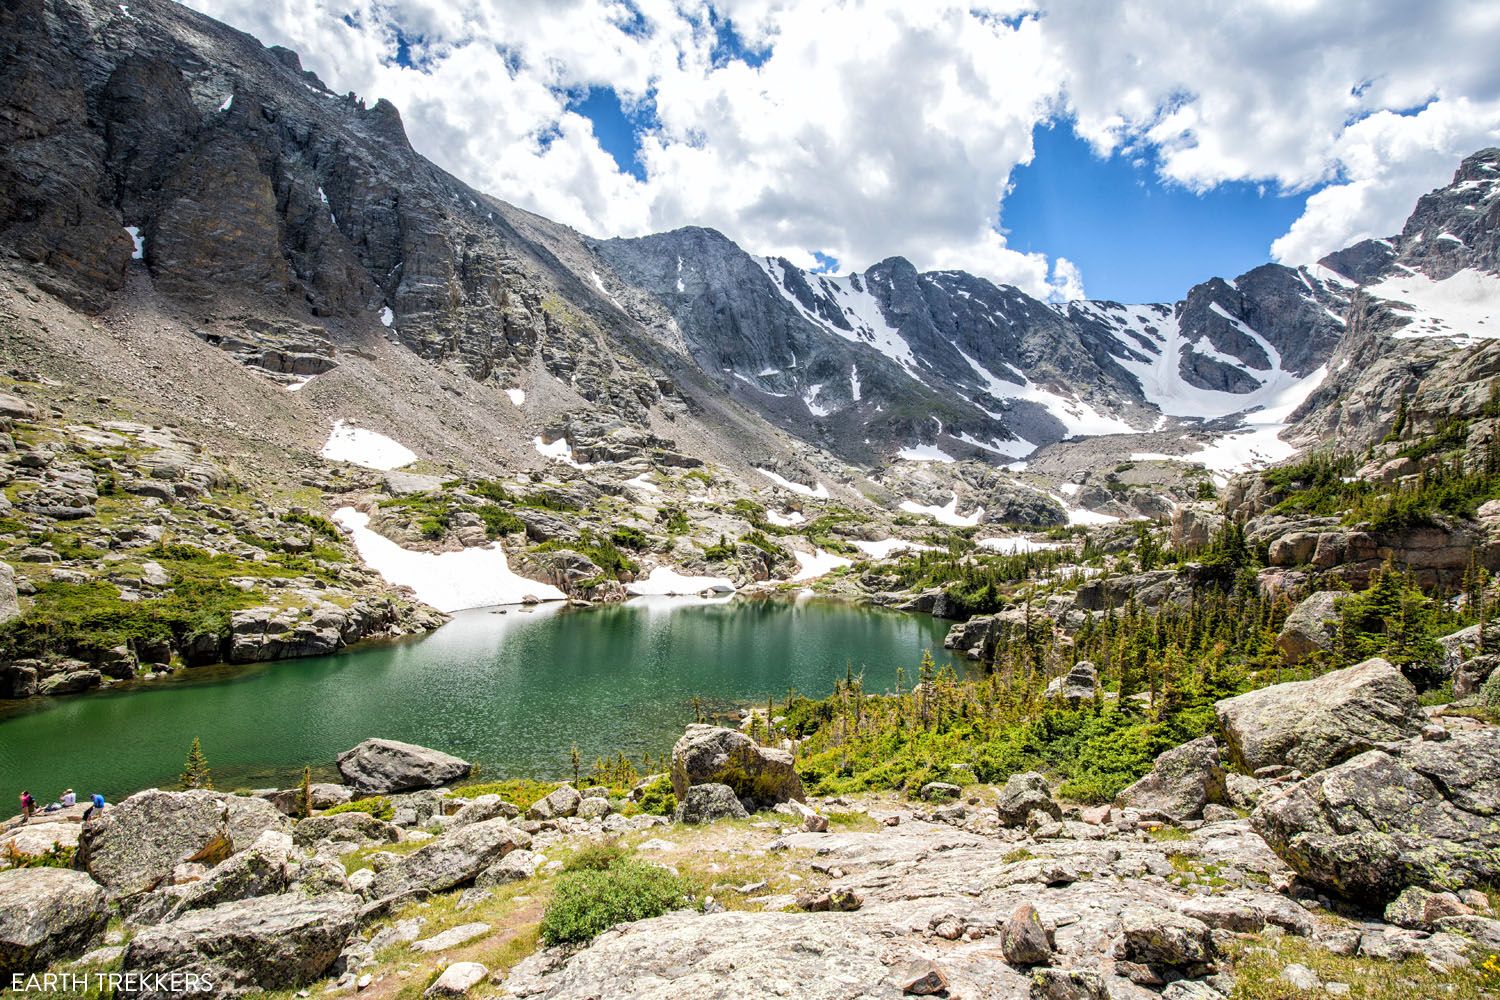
(1011, 372)
(152, 138)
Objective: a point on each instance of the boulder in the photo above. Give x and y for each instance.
(458, 979)
(134, 846)
(1181, 782)
(1419, 909)
(1022, 795)
(1162, 939)
(1311, 725)
(326, 795)
(558, 803)
(380, 767)
(706, 803)
(714, 755)
(452, 860)
(482, 808)
(266, 943)
(594, 808)
(347, 827)
(259, 871)
(1419, 813)
(1310, 628)
(250, 817)
(1024, 940)
(939, 791)
(517, 866)
(1068, 984)
(47, 914)
(1076, 686)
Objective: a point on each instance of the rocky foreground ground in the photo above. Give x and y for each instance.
(1360, 871)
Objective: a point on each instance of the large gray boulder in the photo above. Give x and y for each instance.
(560, 802)
(47, 914)
(1021, 795)
(713, 755)
(1310, 628)
(452, 860)
(249, 817)
(380, 767)
(267, 943)
(345, 827)
(1076, 686)
(1315, 724)
(135, 844)
(1181, 782)
(706, 803)
(261, 870)
(1421, 813)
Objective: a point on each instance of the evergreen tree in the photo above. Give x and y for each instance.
(577, 763)
(195, 772)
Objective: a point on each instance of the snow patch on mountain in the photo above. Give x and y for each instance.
(818, 490)
(849, 296)
(1151, 348)
(1463, 306)
(947, 514)
(449, 581)
(924, 453)
(365, 448)
(1077, 416)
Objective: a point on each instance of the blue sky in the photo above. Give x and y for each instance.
(1135, 238)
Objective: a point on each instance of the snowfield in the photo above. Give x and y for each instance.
(559, 451)
(818, 563)
(365, 448)
(1463, 306)
(883, 549)
(449, 581)
(948, 514)
(819, 490)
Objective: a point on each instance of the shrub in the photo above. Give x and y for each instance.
(658, 798)
(586, 903)
(378, 806)
(597, 855)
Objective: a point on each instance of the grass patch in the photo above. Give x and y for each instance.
(1258, 963)
(378, 806)
(522, 793)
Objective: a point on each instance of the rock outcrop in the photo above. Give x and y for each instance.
(381, 767)
(1309, 629)
(714, 755)
(1420, 813)
(47, 914)
(1310, 725)
(268, 943)
(137, 843)
(452, 860)
(1182, 781)
(706, 803)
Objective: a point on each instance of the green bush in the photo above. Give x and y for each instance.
(596, 855)
(588, 902)
(378, 806)
(658, 798)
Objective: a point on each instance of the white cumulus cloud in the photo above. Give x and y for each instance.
(869, 128)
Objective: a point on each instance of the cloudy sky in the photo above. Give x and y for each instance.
(1062, 145)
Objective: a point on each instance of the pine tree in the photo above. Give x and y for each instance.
(577, 764)
(304, 804)
(195, 772)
